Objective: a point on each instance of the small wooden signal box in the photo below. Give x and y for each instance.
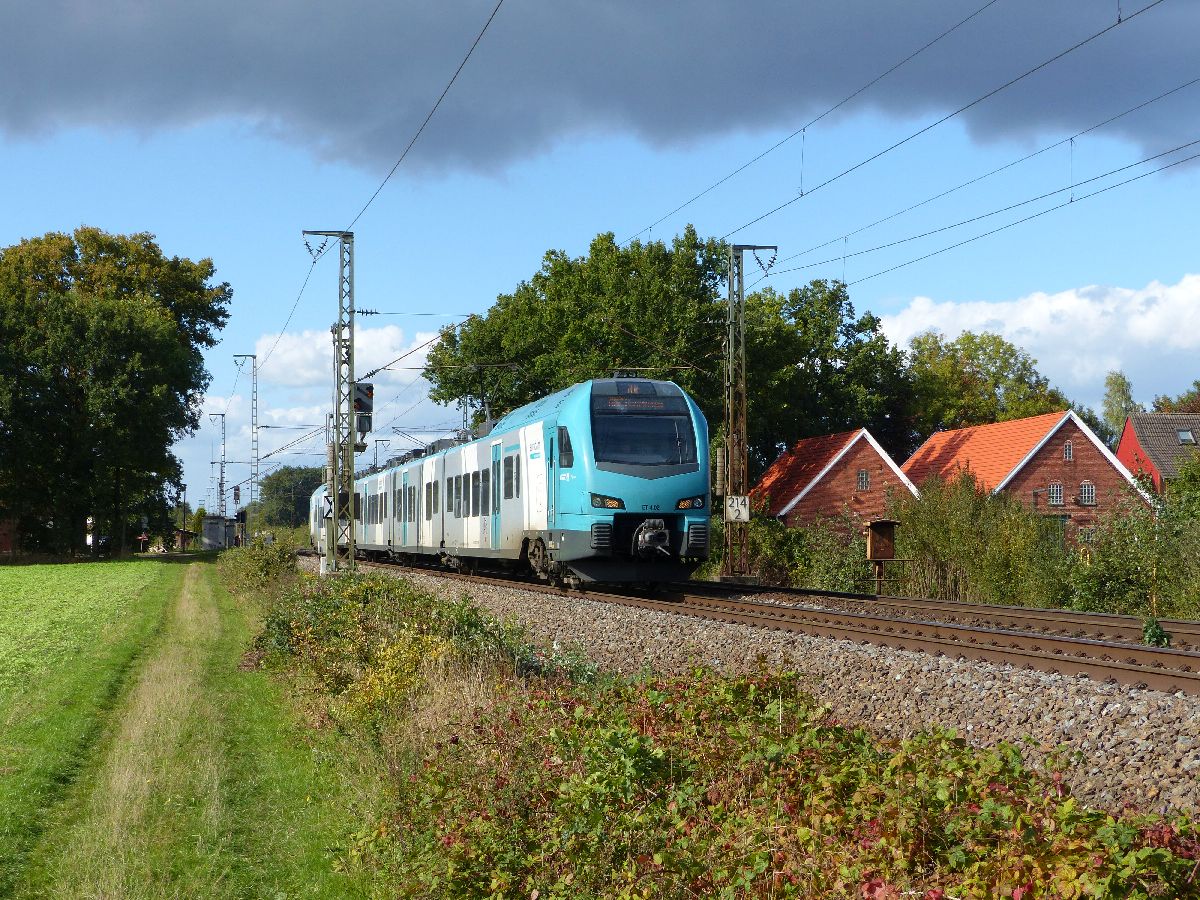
(881, 539)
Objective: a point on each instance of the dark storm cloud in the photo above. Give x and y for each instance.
(353, 80)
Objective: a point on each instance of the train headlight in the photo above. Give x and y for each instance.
(600, 501)
(691, 503)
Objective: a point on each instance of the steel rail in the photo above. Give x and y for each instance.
(1162, 669)
(1185, 635)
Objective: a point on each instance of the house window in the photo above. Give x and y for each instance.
(1068, 451)
(1055, 493)
(1087, 494)
(1186, 436)
(1086, 535)
(864, 480)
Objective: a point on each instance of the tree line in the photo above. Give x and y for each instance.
(815, 364)
(101, 371)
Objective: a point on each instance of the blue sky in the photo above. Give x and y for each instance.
(229, 137)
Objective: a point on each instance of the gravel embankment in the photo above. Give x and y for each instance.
(1138, 747)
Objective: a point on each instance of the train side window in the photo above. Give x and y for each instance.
(474, 493)
(516, 476)
(458, 496)
(508, 477)
(495, 485)
(485, 492)
(449, 495)
(428, 500)
(566, 456)
(415, 506)
(433, 507)
(383, 498)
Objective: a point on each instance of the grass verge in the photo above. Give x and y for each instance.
(203, 783)
(69, 637)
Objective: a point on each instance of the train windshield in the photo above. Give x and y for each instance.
(642, 431)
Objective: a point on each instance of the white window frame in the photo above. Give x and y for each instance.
(1087, 493)
(864, 480)
(1054, 493)
(1068, 452)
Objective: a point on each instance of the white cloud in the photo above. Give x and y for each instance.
(1079, 335)
(305, 359)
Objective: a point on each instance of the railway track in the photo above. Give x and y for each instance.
(1027, 639)
(1185, 635)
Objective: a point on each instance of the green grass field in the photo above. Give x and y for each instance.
(68, 638)
(137, 759)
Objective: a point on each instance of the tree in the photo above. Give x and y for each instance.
(976, 379)
(101, 372)
(1187, 402)
(196, 523)
(1119, 404)
(813, 366)
(817, 368)
(645, 307)
(285, 494)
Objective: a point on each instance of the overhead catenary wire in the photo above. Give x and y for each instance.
(1063, 205)
(996, 171)
(995, 212)
(946, 118)
(416, 136)
(803, 128)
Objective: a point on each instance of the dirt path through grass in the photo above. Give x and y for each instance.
(201, 788)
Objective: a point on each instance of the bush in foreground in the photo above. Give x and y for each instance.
(521, 774)
(743, 787)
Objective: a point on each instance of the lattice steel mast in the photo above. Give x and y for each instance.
(736, 560)
(339, 531)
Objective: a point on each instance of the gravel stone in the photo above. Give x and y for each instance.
(1138, 748)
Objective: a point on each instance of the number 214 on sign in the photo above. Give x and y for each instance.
(737, 509)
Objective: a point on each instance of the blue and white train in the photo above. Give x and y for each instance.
(604, 481)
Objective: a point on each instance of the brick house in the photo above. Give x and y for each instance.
(827, 476)
(1156, 443)
(1053, 464)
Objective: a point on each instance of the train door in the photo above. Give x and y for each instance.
(535, 484)
(404, 508)
(552, 477)
(495, 486)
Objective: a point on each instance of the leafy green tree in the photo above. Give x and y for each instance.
(101, 373)
(285, 494)
(813, 365)
(196, 522)
(976, 379)
(1187, 402)
(646, 306)
(1119, 404)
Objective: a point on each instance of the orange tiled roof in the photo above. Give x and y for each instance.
(991, 452)
(795, 469)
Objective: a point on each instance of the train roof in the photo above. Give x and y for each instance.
(540, 409)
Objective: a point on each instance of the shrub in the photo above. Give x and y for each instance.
(259, 566)
(966, 544)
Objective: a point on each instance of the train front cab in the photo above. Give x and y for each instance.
(629, 483)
